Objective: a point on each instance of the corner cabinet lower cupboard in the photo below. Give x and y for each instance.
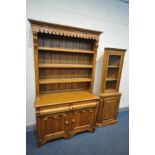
(108, 109)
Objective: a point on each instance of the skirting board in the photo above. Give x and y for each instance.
(32, 127)
(124, 109)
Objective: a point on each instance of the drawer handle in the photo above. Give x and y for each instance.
(46, 118)
(53, 110)
(66, 122)
(73, 120)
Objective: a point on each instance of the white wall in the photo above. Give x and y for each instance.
(110, 16)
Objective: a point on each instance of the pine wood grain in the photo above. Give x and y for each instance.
(65, 60)
(109, 88)
(111, 70)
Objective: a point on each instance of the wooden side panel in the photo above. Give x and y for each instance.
(35, 43)
(95, 46)
(104, 72)
(120, 70)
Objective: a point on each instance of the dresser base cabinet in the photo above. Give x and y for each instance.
(51, 127)
(108, 109)
(66, 124)
(74, 114)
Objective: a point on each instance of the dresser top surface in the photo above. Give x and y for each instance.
(65, 97)
(108, 94)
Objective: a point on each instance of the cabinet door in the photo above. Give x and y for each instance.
(110, 108)
(54, 126)
(82, 120)
(112, 68)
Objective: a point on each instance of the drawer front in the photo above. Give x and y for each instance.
(81, 105)
(65, 108)
(53, 109)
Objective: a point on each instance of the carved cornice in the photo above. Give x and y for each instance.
(62, 30)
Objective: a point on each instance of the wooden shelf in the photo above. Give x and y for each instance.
(110, 90)
(110, 93)
(111, 79)
(111, 66)
(66, 80)
(64, 50)
(64, 66)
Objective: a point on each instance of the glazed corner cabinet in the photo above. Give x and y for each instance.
(109, 88)
(65, 59)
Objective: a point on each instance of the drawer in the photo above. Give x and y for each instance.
(77, 106)
(64, 108)
(107, 100)
(53, 109)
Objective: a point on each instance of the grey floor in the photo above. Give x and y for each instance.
(110, 140)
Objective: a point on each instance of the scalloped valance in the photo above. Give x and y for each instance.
(55, 29)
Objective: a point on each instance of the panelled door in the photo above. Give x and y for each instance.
(82, 117)
(110, 108)
(112, 68)
(55, 126)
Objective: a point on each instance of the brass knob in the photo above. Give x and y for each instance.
(46, 118)
(73, 120)
(66, 122)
